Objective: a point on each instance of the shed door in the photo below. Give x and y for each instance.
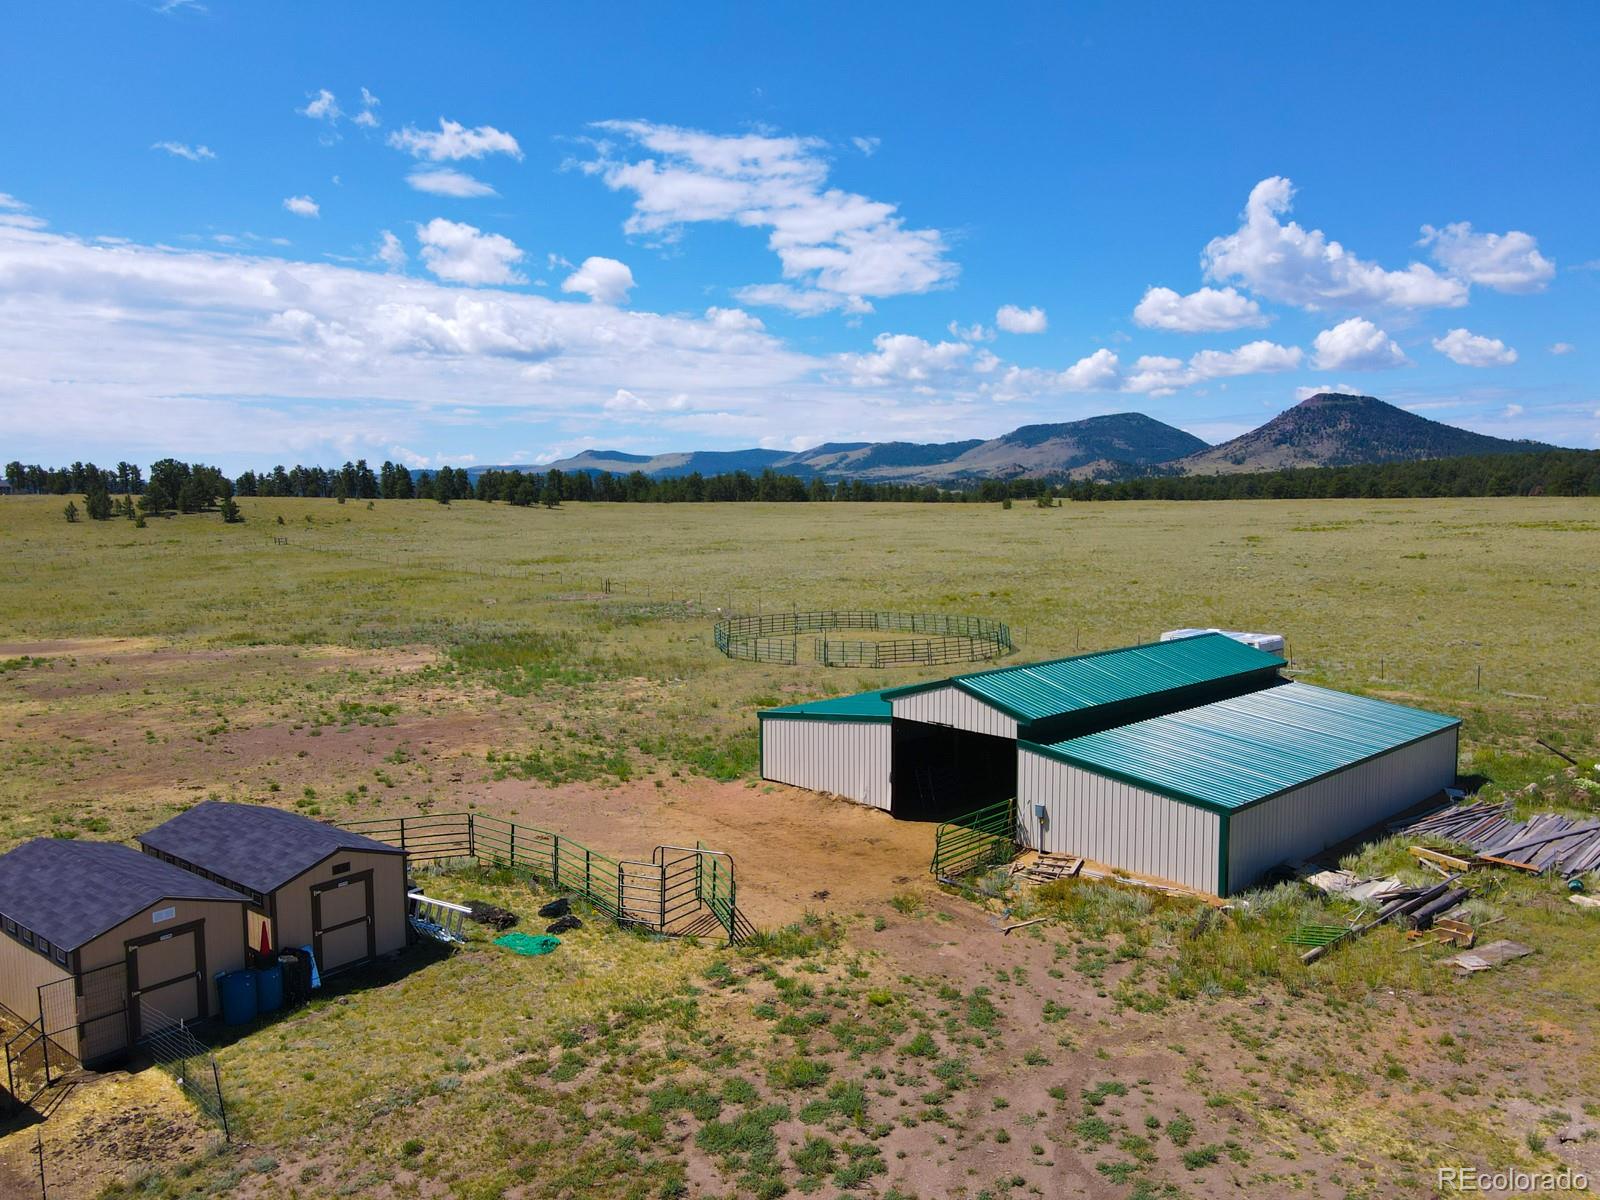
(342, 930)
(167, 978)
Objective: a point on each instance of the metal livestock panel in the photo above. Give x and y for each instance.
(952, 707)
(1115, 823)
(1325, 812)
(847, 758)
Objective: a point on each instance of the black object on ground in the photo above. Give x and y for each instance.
(296, 967)
(491, 915)
(563, 924)
(556, 908)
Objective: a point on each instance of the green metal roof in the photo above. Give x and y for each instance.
(1039, 691)
(863, 706)
(1234, 753)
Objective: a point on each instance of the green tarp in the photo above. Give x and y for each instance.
(527, 943)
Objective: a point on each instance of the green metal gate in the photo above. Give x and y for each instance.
(976, 840)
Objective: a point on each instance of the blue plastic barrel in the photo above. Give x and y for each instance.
(238, 992)
(269, 989)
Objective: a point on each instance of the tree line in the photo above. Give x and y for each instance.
(173, 486)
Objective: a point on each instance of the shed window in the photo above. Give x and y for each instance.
(26, 935)
(11, 927)
(61, 955)
(340, 868)
(44, 947)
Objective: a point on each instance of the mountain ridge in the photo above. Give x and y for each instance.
(1327, 429)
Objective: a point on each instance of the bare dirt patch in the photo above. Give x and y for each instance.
(103, 1129)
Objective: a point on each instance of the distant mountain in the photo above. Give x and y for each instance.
(1328, 430)
(1332, 429)
(1120, 444)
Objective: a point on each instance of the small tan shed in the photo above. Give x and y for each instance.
(308, 883)
(104, 945)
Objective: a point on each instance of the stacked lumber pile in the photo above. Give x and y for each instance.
(1046, 868)
(1547, 842)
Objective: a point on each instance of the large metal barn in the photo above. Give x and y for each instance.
(1192, 760)
(105, 945)
(308, 883)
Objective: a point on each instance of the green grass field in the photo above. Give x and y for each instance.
(386, 657)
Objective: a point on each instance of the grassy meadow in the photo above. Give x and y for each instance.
(882, 1037)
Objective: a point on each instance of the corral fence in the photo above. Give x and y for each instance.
(80, 1019)
(681, 891)
(191, 1064)
(774, 638)
(975, 841)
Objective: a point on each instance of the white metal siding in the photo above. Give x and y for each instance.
(952, 707)
(1309, 819)
(1115, 823)
(847, 758)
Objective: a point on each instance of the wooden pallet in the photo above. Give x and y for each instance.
(1449, 931)
(1047, 868)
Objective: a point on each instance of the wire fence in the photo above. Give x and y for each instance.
(191, 1064)
(774, 637)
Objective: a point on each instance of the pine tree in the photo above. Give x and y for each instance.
(230, 511)
(71, 513)
(97, 502)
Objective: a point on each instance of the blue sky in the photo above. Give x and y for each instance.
(500, 233)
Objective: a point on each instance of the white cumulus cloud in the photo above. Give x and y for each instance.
(195, 153)
(368, 116)
(391, 251)
(321, 106)
(1356, 345)
(453, 141)
(1472, 350)
(1253, 358)
(445, 181)
(603, 280)
(1013, 319)
(462, 253)
(302, 206)
(1292, 265)
(1209, 310)
(905, 358)
(1160, 375)
(827, 240)
(976, 332)
(733, 319)
(802, 302)
(1096, 372)
(1562, 348)
(1506, 262)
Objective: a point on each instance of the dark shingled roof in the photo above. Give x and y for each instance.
(70, 892)
(259, 847)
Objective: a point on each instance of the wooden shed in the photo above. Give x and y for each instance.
(308, 883)
(104, 945)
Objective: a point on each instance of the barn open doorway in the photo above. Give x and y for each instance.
(941, 772)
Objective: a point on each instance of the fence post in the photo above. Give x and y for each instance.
(402, 834)
(472, 837)
(619, 892)
(555, 860)
(222, 1105)
(588, 886)
(513, 845)
(38, 1150)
